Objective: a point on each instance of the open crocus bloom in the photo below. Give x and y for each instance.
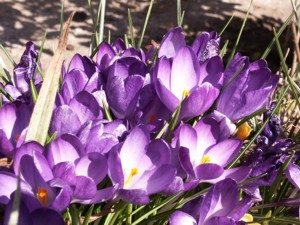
(220, 205)
(184, 78)
(139, 167)
(204, 150)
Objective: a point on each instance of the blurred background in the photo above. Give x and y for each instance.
(24, 20)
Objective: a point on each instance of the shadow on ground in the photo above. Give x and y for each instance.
(28, 20)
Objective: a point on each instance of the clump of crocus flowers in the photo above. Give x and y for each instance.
(151, 136)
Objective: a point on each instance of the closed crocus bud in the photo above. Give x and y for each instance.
(249, 90)
(24, 71)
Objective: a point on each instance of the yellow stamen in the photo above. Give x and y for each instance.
(42, 196)
(185, 94)
(249, 218)
(133, 172)
(243, 131)
(205, 159)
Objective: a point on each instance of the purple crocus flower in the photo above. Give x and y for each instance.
(204, 150)
(126, 78)
(69, 118)
(36, 179)
(81, 171)
(249, 90)
(220, 205)
(139, 168)
(14, 118)
(27, 216)
(206, 45)
(184, 79)
(24, 71)
(100, 136)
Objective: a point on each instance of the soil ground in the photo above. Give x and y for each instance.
(24, 20)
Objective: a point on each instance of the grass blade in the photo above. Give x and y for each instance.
(37, 68)
(8, 55)
(145, 24)
(42, 112)
(280, 31)
(240, 34)
(131, 29)
(285, 69)
(101, 27)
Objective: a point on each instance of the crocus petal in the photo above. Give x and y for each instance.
(199, 101)
(63, 194)
(134, 147)
(238, 174)
(93, 165)
(46, 216)
(6, 147)
(66, 172)
(221, 220)
(74, 82)
(85, 106)
(185, 72)
(26, 149)
(159, 152)
(83, 63)
(224, 152)
(115, 170)
(220, 200)
(122, 94)
(9, 186)
(171, 43)
(104, 55)
(179, 218)
(185, 161)
(136, 196)
(166, 96)
(208, 132)
(163, 72)
(101, 195)
(211, 71)
(85, 188)
(156, 180)
(208, 171)
(293, 174)
(241, 209)
(64, 120)
(62, 150)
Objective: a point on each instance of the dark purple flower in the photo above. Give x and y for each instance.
(220, 205)
(206, 45)
(249, 90)
(126, 78)
(24, 71)
(29, 216)
(14, 118)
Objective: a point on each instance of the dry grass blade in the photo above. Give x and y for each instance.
(42, 112)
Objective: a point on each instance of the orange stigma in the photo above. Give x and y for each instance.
(42, 196)
(17, 137)
(152, 118)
